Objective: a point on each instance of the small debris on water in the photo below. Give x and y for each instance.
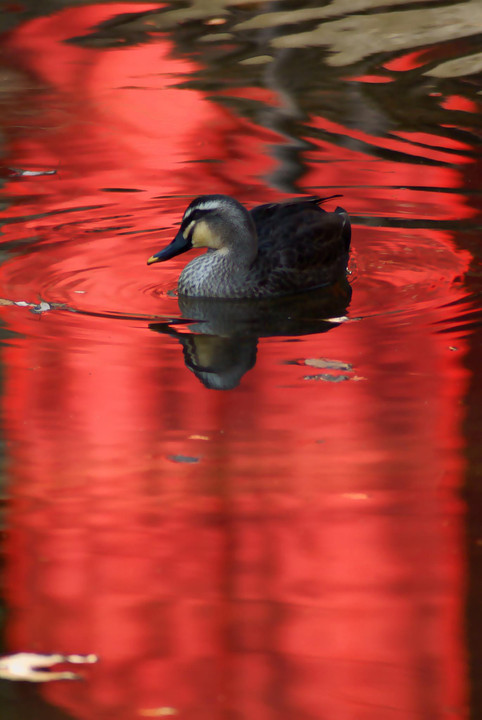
(198, 437)
(19, 172)
(37, 308)
(158, 712)
(334, 378)
(328, 364)
(35, 667)
(328, 378)
(41, 307)
(183, 458)
(336, 366)
(341, 319)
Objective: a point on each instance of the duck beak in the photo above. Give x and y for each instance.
(178, 246)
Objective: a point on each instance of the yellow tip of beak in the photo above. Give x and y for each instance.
(152, 260)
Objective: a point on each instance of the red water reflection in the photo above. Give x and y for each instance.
(311, 550)
(306, 562)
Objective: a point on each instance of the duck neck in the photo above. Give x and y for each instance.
(239, 242)
(224, 269)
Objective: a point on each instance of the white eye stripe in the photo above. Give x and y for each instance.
(206, 205)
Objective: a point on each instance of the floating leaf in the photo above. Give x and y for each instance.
(328, 364)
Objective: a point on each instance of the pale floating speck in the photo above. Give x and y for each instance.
(80, 292)
(356, 496)
(341, 319)
(216, 21)
(198, 437)
(83, 659)
(158, 712)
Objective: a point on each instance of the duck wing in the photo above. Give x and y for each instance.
(300, 246)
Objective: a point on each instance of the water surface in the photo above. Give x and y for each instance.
(280, 523)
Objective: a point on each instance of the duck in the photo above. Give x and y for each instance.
(272, 250)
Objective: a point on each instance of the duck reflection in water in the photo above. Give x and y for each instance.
(222, 341)
(277, 270)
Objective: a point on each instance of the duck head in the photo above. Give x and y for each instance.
(216, 222)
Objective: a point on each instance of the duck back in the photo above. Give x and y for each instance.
(300, 247)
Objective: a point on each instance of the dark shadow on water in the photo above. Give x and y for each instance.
(222, 344)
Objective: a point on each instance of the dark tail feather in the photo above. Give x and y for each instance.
(320, 200)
